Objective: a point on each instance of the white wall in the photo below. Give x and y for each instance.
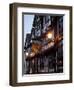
(4, 46)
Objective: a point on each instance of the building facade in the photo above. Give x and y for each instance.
(44, 45)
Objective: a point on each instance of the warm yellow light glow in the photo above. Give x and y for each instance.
(32, 54)
(49, 35)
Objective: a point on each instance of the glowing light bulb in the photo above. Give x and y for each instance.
(27, 54)
(32, 54)
(49, 35)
